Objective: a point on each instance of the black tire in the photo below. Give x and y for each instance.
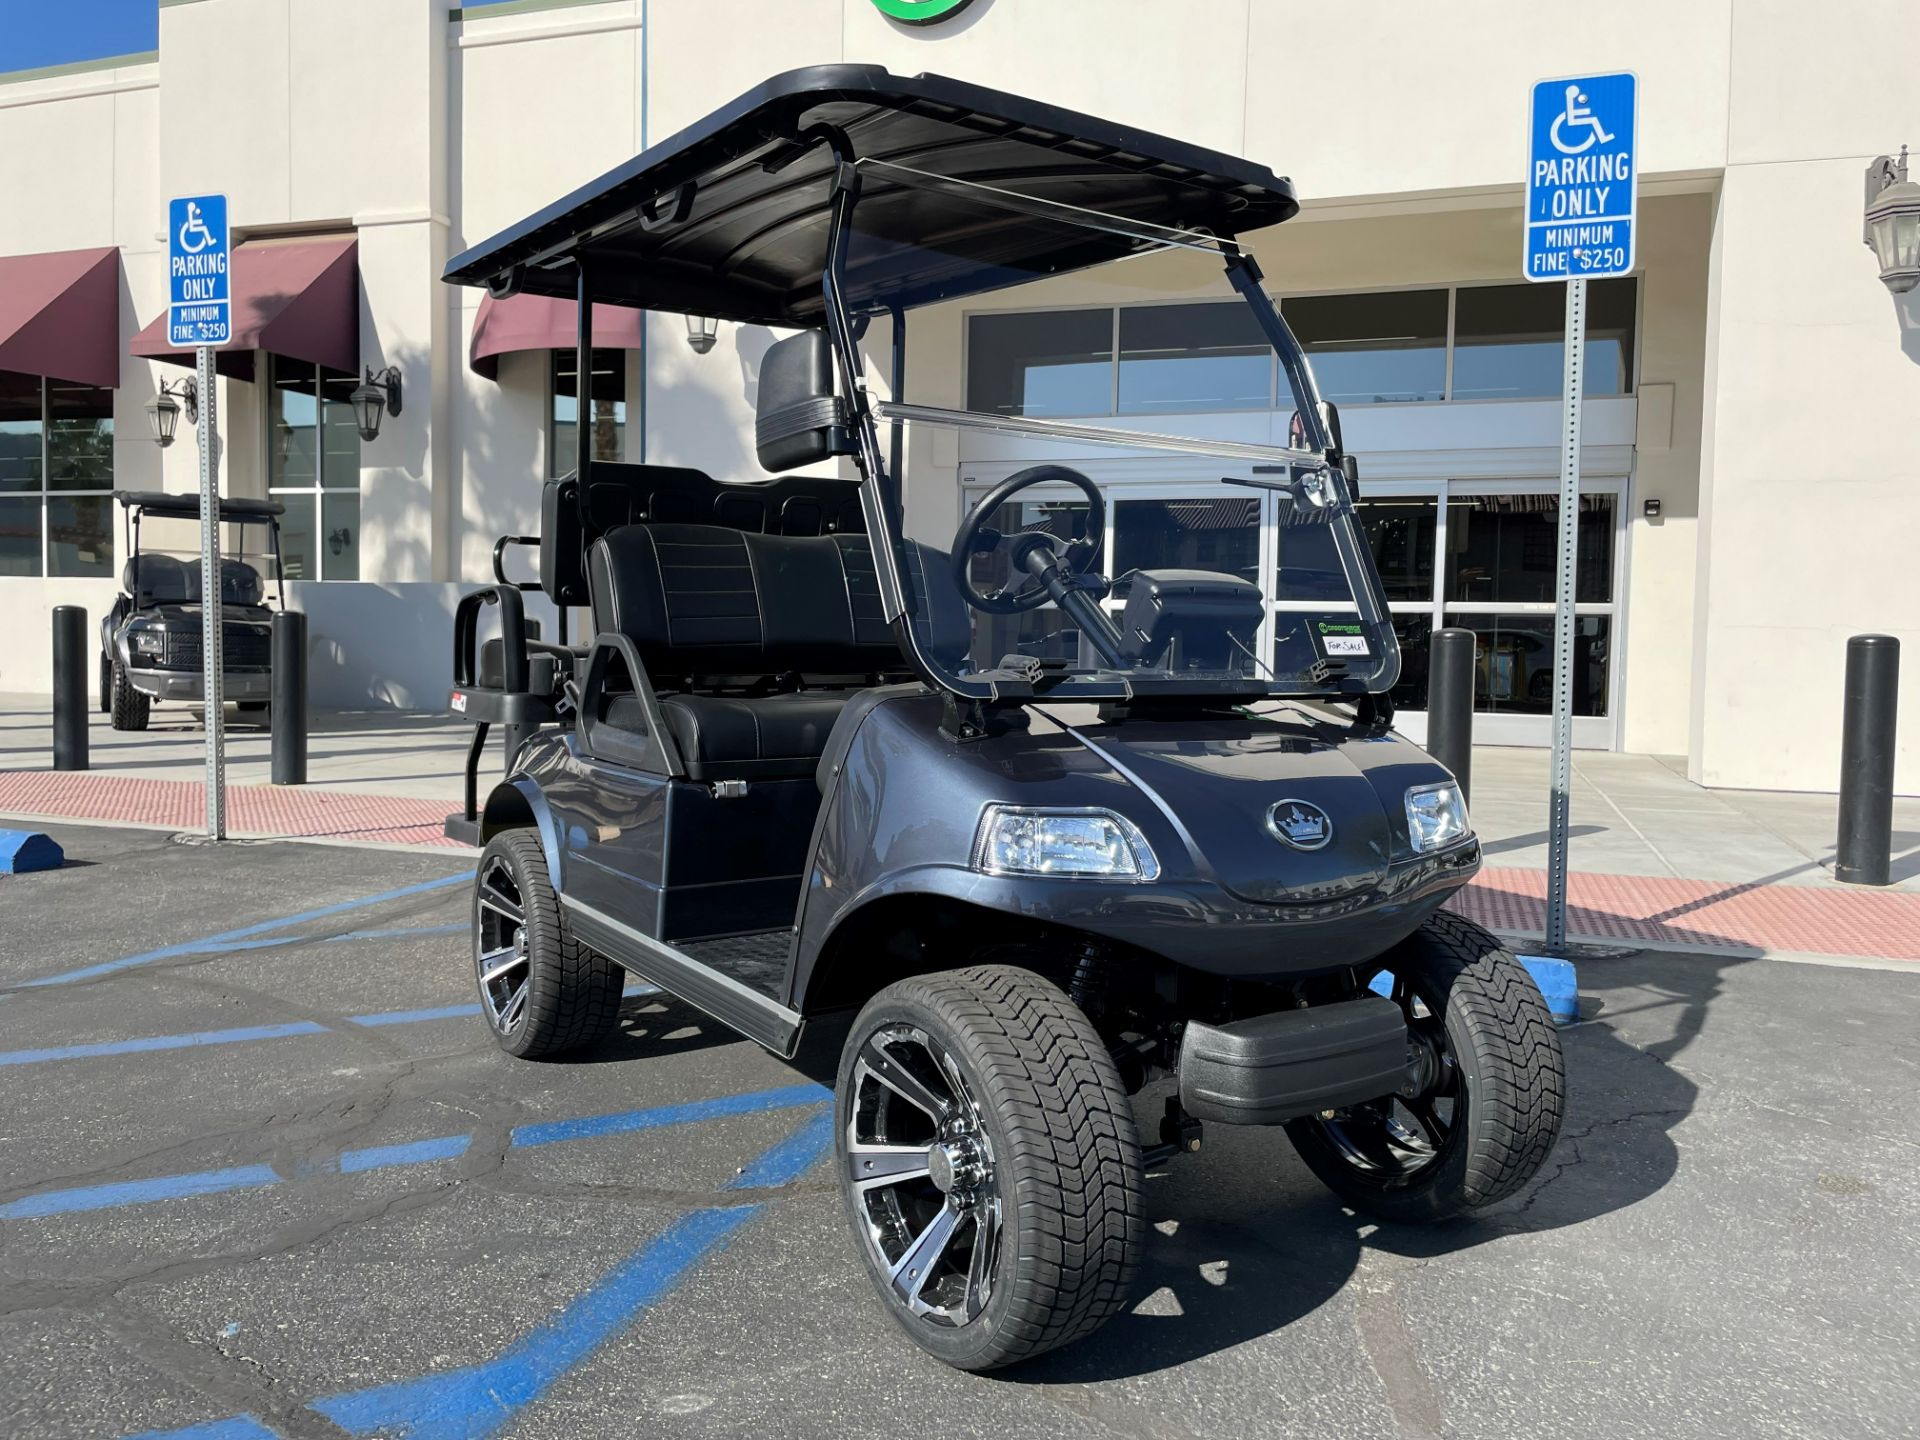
(542, 992)
(255, 712)
(1040, 1160)
(106, 685)
(1499, 1074)
(127, 708)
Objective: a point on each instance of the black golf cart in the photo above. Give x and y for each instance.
(1050, 829)
(151, 640)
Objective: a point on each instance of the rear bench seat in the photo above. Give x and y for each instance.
(715, 609)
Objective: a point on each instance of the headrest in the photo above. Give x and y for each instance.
(798, 418)
(166, 580)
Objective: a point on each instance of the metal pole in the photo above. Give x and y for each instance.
(1561, 803)
(1450, 703)
(70, 671)
(1864, 850)
(289, 698)
(212, 649)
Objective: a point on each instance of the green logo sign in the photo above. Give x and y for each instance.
(921, 12)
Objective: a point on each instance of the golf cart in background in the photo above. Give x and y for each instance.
(1041, 830)
(151, 641)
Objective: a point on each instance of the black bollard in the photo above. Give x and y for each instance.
(290, 698)
(70, 672)
(1864, 851)
(1450, 703)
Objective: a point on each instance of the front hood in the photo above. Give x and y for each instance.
(1219, 786)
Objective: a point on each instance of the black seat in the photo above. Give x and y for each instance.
(714, 610)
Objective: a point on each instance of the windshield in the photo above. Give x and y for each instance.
(167, 567)
(1105, 557)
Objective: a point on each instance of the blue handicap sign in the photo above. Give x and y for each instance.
(199, 280)
(1582, 174)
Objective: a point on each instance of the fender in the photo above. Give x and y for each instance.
(517, 802)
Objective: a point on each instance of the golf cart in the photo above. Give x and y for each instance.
(151, 641)
(1052, 831)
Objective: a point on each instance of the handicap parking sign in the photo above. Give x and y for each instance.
(199, 284)
(1582, 175)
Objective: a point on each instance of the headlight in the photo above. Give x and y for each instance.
(1436, 816)
(1094, 844)
(146, 642)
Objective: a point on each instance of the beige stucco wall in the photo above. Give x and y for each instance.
(1781, 452)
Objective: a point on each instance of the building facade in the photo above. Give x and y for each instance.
(1751, 482)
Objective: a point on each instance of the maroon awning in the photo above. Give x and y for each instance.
(60, 315)
(537, 322)
(297, 297)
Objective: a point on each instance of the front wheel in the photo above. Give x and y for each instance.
(1489, 1086)
(543, 993)
(990, 1165)
(127, 707)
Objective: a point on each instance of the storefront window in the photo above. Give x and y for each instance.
(1502, 549)
(1185, 359)
(1508, 341)
(1057, 362)
(1400, 532)
(1200, 534)
(608, 416)
(1374, 349)
(1513, 662)
(56, 477)
(313, 468)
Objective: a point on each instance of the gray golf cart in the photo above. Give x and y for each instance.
(1052, 830)
(151, 641)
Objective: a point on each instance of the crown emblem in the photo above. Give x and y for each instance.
(1297, 823)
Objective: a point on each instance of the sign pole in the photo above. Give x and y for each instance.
(212, 618)
(1560, 805)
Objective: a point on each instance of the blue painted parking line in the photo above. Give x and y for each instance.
(415, 932)
(476, 1401)
(150, 1043)
(140, 1192)
(791, 1158)
(229, 937)
(194, 1039)
(417, 1152)
(626, 1122)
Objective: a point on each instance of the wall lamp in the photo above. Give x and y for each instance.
(702, 330)
(163, 411)
(1892, 228)
(373, 395)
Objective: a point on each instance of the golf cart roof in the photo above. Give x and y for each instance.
(729, 217)
(187, 506)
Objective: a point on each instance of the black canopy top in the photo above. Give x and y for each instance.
(187, 507)
(701, 224)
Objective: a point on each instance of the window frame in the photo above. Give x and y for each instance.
(319, 490)
(1452, 290)
(45, 493)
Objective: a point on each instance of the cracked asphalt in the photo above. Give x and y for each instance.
(1723, 1243)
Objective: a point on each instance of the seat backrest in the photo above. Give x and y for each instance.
(167, 580)
(702, 600)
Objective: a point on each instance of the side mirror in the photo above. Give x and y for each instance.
(798, 419)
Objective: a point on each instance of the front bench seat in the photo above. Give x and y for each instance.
(700, 601)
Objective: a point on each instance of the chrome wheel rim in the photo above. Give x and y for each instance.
(500, 945)
(920, 1168)
(1398, 1139)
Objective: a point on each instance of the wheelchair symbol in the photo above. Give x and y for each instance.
(195, 236)
(1577, 116)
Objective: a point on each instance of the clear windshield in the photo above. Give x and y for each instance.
(168, 568)
(1223, 556)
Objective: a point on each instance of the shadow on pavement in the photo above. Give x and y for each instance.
(1245, 1241)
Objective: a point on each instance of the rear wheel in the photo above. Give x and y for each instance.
(541, 990)
(106, 685)
(990, 1165)
(1489, 1091)
(127, 708)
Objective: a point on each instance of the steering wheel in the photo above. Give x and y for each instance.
(1072, 558)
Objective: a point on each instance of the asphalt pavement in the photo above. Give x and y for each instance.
(263, 1172)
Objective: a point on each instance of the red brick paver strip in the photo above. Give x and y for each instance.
(1654, 910)
(302, 811)
(1632, 909)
